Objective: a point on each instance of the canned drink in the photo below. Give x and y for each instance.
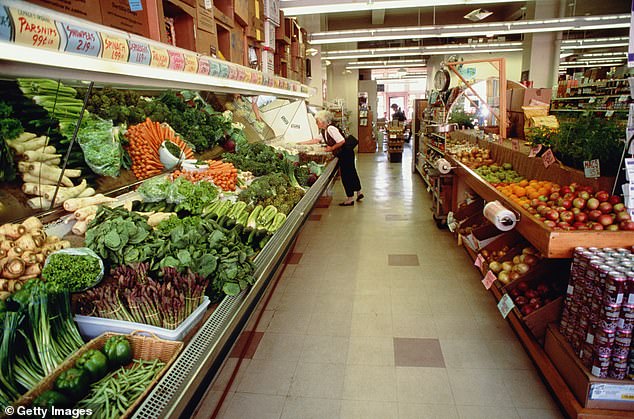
(624, 250)
(600, 369)
(586, 355)
(603, 342)
(617, 373)
(615, 287)
(630, 287)
(608, 323)
(610, 311)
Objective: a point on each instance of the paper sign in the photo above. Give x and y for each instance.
(535, 150)
(620, 392)
(177, 60)
(223, 70)
(35, 30)
(135, 5)
(160, 57)
(591, 168)
(548, 158)
(609, 113)
(214, 68)
(505, 305)
(515, 144)
(139, 53)
(478, 261)
(191, 63)
(629, 169)
(488, 280)
(233, 72)
(5, 24)
(623, 98)
(114, 48)
(203, 66)
(208, 4)
(80, 40)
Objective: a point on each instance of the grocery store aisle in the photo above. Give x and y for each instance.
(381, 315)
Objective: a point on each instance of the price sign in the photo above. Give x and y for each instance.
(259, 79)
(5, 25)
(177, 60)
(139, 53)
(191, 63)
(505, 305)
(623, 98)
(115, 48)
(233, 72)
(478, 261)
(135, 5)
(609, 113)
(535, 150)
(160, 57)
(548, 158)
(488, 280)
(223, 71)
(35, 30)
(591, 168)
(515, 144)
(214, 68)
(81, 40)
(208, 4)
(203, 66)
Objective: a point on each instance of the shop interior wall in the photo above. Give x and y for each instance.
(342, 84)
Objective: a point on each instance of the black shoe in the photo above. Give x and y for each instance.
(360, 197)
(346, 204)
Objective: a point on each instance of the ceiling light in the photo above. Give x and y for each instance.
(472, 29)
(327, 63)
(417, 51)
(477, 15)
(385, 62)
(312, 51)
(401, 71)
(612, 42)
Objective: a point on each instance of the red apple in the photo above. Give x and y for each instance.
(614, 199)
(566, 203)
(564, 226)
(583, 227)
(584, 194)
(597, 226)
(592, 204)
(612, 227)
(566, 190)
(552, 215)
(605, 220)
(522, 286)
(619, 207)
(594, 215)
(521, 301)
(567, 216)
(578, 224)
(542, 289)
(542, 209)
(555, 188)
(515, 292)
(581, 217)
(530, 293)
(579, 203)
(535, 202)
(526, 310)
(575, 210)
(605, 207)
(602, 196)
(550, 223)
(531, 210)
(626, 225)
(574, 186)
(554, 196)
(622, 216)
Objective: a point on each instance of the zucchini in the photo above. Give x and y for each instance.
(243, 217)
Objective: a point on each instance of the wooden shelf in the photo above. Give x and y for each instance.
(584, 97)
(551, 243)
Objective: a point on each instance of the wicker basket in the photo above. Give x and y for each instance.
(146, 348)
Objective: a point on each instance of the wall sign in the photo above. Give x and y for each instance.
(6, 29)
(160, 57)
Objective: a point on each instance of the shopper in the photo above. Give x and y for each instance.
(336, 143)
(398, 114)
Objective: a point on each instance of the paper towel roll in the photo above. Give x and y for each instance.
(500, 217)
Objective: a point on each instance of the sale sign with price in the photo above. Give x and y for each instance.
(80, 40)
(35, 30)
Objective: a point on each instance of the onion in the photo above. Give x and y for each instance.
(495, 267)
(503, 277)
(507, 266)
(521, 268)
(530, 260)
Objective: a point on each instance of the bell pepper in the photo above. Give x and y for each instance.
(118, 350)
(73, 383)
(95, 362)
(52, 398)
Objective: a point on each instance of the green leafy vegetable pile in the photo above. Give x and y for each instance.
(273, 189)
(189, 197)
(9, 129)
(257, 158)
(72, 272)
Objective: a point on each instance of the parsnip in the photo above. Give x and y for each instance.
(80, 227)
(32, 223)
(25, 136)
(40, 203)
(67, 193)
(30, 178)
(26, 242)
(86, 193)
(35, 155)
(47, 150)
(76, 203)
(40, 169)
(84, 212)
(12, 231)
(54, 162)
(34, 144)
(155, 219)
(30, 188)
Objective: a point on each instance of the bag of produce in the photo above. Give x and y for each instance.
(100, 144)
(73, 269)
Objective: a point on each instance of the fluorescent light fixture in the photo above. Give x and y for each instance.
(475, 29)
(477, 15)
(380, 62)
(312, 51)
(606, 54)
(612, 42)
(581, 65)
(360, 66)
(417, 51)
(306, 7)
(401, 71)
(565, 54)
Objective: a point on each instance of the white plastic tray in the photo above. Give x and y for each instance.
(90, 327)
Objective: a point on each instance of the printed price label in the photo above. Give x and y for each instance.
(570, 290)
(535, 150)
(623, 98)
(488, 280)
(214, 69)
(160, 57)
(591, 168)
(223, 70)
(548, 158)
(505, 305)
(139, 53)
(135, 5)
(115, 48)
(515, 144)
(623, 392)
(203, 66)
(609, 113)
(35, 30)
(592, 100)
(208, 4)
(232, 72)
(177, 61)
(5, 24)
(478, 261)
(240, 74)
(191, 63)
(81, 40)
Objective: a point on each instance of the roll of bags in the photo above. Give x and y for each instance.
(502, 218)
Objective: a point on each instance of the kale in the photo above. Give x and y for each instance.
(257, 158)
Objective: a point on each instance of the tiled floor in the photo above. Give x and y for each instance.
(380, 314)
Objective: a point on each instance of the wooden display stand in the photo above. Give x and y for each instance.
(395, 139)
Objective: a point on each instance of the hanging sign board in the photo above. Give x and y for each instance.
(505, 305)
(80, 40)
(160, 57)
(548, 158)
(191, 63)
(139, 53)
(34, 30)
(115, 48)
(488, 280)
(5, 25)
(591, 168)
(203, 66)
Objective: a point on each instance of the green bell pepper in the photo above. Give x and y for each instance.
(52, 398)
(74, 383)
(118, 350)
(95, 362)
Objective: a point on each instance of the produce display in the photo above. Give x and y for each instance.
(279, 190)
(509, 268)
(223, 175)
(257, 158)
(10, 128)
(184, 194)
(598, 314)
(470, 155)
(529, 297)
(72, 271)
(499, 174)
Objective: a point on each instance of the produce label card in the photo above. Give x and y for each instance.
(629, 169)
(535, 150)
(548, 158)
(516, 144)
(203, 66)
(505, 305)
(114, 48)
(191, 63)
(479, 260)
(35, 30)
(214, 68)
(80, 40)
(223, 70)
(160, 57)
(622, 392)
(177, 61)
(591, 168)
(609, 113)
(488, 280)
(139, 53)
(6, 30)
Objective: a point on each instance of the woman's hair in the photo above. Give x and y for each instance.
(324, 116)
(394, 106)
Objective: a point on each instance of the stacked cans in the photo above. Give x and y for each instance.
(598, 314)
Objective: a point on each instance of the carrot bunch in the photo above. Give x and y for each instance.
(223, 175)
(145, 140)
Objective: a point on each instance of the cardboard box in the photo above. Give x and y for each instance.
(238, 40)
(592, 392)
(117, 14)
(83, 9)
(241, 12)
(272, 11)
(205, 17)
(206, 43)
(522, 97)
(184, 26)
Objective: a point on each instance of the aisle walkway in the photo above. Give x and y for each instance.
(382, 316)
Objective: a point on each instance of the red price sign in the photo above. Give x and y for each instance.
(488, 279)
(35, 30)
(548, 158)
(479, 260)
(516, 144)
(115, 48)
(535, 150)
